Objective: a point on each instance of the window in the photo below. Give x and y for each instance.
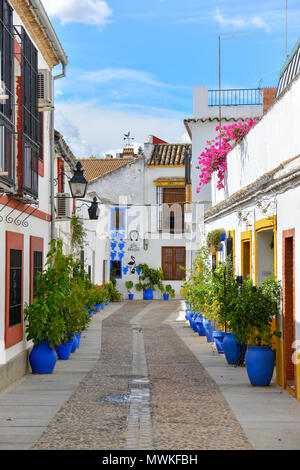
(171, 209)
(36, 262)
(7, 86)
(116, 270)
(118, 219)
(173, 258)
(14, 289)
(30, 115)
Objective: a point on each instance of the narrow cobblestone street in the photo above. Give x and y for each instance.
(180, 406)
(143, 380)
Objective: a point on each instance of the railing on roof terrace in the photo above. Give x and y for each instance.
(236, 97)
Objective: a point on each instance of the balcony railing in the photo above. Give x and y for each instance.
(236, 97)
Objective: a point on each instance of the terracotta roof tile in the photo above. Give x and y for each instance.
(97, 167)
(168, 154)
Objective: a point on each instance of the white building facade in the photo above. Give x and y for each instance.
(28, 45)
(259, 209)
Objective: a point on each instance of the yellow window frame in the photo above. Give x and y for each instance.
(246, 237)
(268, 223)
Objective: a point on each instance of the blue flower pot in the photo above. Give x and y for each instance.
(218, 337)
(200, 328)
(130, 296)
(74, 344)
(234, 351)
(42, 359)
(166, 296)
(260, 365)
(98, 307)
(207, 324)
(78, 336)
(231, 349)
(148, 294)
(64, 350)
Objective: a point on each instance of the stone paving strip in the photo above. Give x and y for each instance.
(188, 409)
(139, 436)
(27, 407)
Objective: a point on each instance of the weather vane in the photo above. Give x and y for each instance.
(129, 139)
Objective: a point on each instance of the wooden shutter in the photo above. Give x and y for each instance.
(172, 259)
(170, 220)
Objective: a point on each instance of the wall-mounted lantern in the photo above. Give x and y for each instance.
(78, 183)
(93, 210)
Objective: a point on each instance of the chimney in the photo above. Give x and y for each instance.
(268, 98)
(128, 152)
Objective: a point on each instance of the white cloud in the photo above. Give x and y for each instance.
(107, 75)
(102, 128)
(93, 12)
(238, 22)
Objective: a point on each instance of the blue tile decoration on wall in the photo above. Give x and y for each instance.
(125, 270)
(121, 246)
(121, 255)
(113, 255)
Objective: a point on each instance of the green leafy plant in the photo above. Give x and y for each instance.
(213, 239)
(111, 293)
(255, 310)
(149, 277)
(78, 234)
(129, 286)
(45, 319)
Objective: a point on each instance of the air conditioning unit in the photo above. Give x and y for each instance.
(63, 206)
(45, 89)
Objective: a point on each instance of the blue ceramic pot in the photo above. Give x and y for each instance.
(148, 294)
(130, 296)
(218, 337)
(200, 328)
(78, 336)
(42, 359)
(231, 349)
(207, 324)
(64, 350)
(260, 365)
(74, 344)
(166, 296)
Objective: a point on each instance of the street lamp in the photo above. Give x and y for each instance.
(78, 184)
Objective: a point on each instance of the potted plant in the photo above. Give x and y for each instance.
(214, 238)
(45, 324)
(167, 291)
(129, 286)
(149, 278)
(252, 323)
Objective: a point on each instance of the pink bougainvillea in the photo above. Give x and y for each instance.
(214, 157)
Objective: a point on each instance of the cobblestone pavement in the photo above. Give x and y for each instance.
(148, 391)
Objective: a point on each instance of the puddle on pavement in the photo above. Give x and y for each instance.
(119, 399)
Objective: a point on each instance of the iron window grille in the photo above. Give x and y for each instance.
(29, 131)
(15, 288)
(7, 91)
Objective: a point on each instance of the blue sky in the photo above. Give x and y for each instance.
(133, 63)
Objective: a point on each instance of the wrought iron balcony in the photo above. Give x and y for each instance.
(236, 97)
